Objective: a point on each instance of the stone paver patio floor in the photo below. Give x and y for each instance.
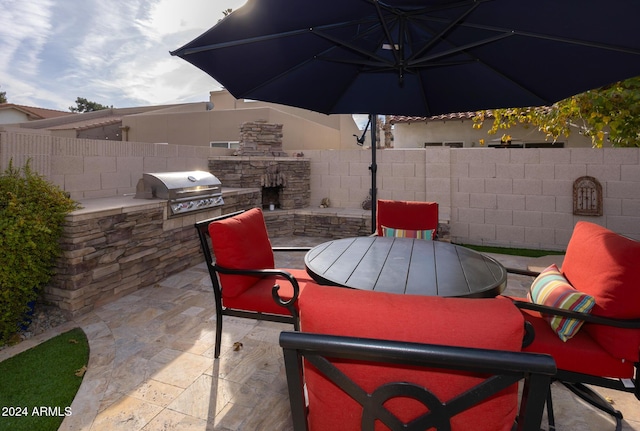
(152, 368)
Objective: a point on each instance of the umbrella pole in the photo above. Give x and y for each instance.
(374, 170)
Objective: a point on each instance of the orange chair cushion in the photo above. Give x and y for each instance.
(411, 215)
(258, 296)
(580, 354)
(606, 266)
(482, 323)
(241, 242)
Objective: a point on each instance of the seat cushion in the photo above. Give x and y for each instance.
(482, 323)
(412, 215)
(258, 296)
(606, 266)
(581, 354)
(550, 288)
(241, 242)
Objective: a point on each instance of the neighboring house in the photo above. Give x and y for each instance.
(103, 124)
(217, 123)
(213, 124)
(456, 130)
(11, 113)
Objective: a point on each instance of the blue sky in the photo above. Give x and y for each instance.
(112, 52)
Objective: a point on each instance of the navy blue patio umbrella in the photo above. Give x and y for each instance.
(418, 57)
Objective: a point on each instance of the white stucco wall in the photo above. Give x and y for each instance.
(415, 135)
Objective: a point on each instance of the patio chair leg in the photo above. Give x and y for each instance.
(218, 335)
(595, 399)
(550, 417)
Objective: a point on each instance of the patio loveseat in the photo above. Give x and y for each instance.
(363, 359)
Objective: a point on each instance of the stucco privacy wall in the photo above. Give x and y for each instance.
(505, 197)
(88, 168)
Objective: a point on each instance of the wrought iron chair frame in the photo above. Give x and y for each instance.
(504, 367)
(202, 228)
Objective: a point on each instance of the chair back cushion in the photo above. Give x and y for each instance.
(411, 215)
(241, 242)
(606, 266)
(482, 323)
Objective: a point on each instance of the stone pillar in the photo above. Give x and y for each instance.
(259, 138)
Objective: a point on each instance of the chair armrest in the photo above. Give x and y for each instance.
(291, 249)
(522, 272)
(265, 273)
(590, 318)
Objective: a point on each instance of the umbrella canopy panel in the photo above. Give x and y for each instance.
(419, 57)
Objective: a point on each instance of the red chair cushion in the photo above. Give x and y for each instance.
(406, 215)
(258, 296)
(606, 266)
(241, 242)
(580, 354)
(482, 323)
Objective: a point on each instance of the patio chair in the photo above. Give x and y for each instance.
(407, 219)
(366, 359)
(587, 316)
(241, 264)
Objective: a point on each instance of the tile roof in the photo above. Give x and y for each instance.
(89, 123)
(36, 113)
(453, 116)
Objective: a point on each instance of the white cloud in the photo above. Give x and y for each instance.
(114, 53)
(24, 28)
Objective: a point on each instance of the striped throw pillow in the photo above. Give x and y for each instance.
(552, 289)
(407, 233)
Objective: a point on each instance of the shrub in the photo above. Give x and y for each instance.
(32, 213)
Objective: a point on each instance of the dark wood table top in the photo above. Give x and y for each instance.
(407, 266)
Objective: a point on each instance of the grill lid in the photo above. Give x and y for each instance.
(177, 185)
(185, 191)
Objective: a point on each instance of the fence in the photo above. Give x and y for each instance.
(505, 197)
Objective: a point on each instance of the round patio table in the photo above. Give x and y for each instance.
(406, 266)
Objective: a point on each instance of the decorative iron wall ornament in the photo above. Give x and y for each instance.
(587, 196)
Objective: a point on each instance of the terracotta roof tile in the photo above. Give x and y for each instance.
(453, 116)
(36, 113)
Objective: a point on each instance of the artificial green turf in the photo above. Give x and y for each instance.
(37, 386)
(512, 251)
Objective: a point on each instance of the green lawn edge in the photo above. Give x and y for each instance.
(513, 251)
(38, 386)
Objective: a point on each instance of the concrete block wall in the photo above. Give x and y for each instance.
(508, 197)
(87, 168)
(345, 178)
(516, 198)
(502, 197)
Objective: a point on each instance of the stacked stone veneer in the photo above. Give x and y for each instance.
(259, 138)
(111, 253)
(247, 172)
(325, 223)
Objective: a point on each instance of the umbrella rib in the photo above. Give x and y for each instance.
(437, 38)
(188, 51)
(385, 28)
(513, 32)
(351, 47)
(430, 58)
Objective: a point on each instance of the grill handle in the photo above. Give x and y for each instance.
(210, 189)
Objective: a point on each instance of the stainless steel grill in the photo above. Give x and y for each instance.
(185, 192)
